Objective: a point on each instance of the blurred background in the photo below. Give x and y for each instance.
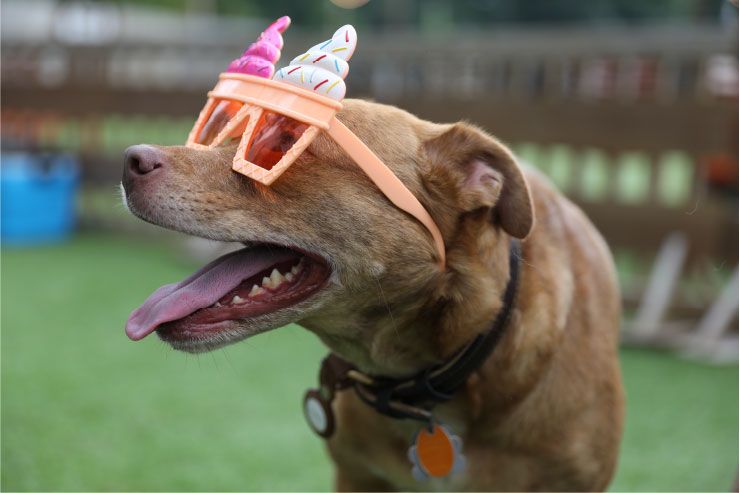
(631, 108)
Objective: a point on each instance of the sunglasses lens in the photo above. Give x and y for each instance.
(222, 113)
(273, 136)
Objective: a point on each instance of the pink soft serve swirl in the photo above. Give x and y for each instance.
(260, 57)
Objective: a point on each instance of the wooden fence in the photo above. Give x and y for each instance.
(638, 125)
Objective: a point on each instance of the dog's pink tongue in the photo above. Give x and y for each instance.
(202, 289)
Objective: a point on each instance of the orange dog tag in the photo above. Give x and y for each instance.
(436, 453)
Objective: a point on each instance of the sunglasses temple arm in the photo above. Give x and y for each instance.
(386, 181)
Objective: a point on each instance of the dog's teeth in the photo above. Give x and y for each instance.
(297, 268)
(266, 282)
(237, 299)
(276, 278)
(289, 276)
(217, 304)
(255, 291)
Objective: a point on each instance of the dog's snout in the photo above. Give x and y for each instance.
(142, 159)
(141, 162)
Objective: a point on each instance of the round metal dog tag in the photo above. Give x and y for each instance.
(318, 413)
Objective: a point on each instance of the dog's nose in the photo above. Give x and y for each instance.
(142, 159)
(141, 162)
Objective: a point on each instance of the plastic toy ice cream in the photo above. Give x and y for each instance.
(318, 73)
(323, 67)
(276, 119)
(259, 59)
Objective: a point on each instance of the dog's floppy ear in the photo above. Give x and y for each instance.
(490, 176)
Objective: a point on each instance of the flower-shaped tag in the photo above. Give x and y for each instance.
(435, 453)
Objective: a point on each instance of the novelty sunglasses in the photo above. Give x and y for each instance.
(277, 119)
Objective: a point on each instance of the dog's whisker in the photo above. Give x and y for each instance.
(393, 320)
(215, 363)
(526, 262)
(228, 359)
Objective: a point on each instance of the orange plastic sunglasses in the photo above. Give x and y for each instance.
(276, 121)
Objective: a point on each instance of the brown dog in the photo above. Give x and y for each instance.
(544, 412)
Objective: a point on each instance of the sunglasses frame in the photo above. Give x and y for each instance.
(318, 112)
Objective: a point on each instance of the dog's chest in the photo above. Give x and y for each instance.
(452, 482)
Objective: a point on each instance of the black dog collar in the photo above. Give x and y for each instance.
(411, 397)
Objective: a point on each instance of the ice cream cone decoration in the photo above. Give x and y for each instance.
(259, 59)
(323, 67)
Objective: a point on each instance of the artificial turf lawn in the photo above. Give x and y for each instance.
(84, 408)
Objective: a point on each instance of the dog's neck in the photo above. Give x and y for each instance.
(401, 337)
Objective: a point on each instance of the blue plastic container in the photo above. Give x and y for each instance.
(39, 194)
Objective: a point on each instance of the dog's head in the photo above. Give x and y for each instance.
(324, 247)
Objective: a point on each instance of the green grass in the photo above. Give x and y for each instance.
(84, 408)
(682, 425)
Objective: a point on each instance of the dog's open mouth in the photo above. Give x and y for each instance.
(247, 283)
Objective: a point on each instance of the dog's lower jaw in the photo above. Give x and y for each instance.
(202, 341)
(232, 331)
(203, 344)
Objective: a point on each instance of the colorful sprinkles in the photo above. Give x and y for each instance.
(329, 88)
(328, 60)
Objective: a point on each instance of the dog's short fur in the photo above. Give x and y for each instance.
(545, 410)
